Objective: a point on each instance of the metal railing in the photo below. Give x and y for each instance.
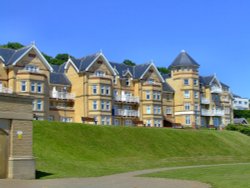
(205, 112)
(125, 112)
(62, 95)
(125, 98)
(204, 100)
(216, 90)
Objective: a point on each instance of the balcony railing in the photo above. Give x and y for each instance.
(62, 107)
(125, 98)
(62, 95)
(216, 90)
(152, 83)
(6, 90)
(205, 112)
(204, 100)
(127, 113)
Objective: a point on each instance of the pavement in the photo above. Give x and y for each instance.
(124, 180)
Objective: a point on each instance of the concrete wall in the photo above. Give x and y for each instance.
(16, 121)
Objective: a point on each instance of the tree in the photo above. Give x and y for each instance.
(128, 62)
(12, 45)
(163, 70)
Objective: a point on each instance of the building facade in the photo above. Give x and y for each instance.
(95, 90)
(240, 103)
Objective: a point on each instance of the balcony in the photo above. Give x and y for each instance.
(205, 100)
(62, 95)
(61, 107)
(205, 112)
(125, 98)
(152, 83)
(6, 90)
(126, 113)
(215, 89)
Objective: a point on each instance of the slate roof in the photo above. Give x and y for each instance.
(184, 60)
(10, 55)
(167, 87)
(136, 71)
(205, 80)
(59, 78)
(165, 76)
(84, 62)
(58, 68)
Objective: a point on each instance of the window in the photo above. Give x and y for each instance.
(195, 82)
(33, 105)
(102, 90)
(245, 103)
(127, 82)
(94, 105)
(196, 106)
(32, 87)
(39, 87)
(103, 119)
(168, 110)
(168, 97)
(128, 122)
(108, 105)
(114, 80)
(51, 118)
(94, 89)
(116, 122)
(148, 110)
(66, 119)
(187, 106)
(148, 123)
(99, 73)
(108, 120)
(115, 92)
(23, 86)
(240, 102)
(102, 105)
(148, 95)
(186, 94)
(154, 95)
(188, 121)
(186, 82)
(158, 96)
(39, 105)
(157, 110)
(107, 90)
(157, 123)
(31, 68)
(196, 95)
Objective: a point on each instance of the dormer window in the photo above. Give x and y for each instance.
(127, 82)
(31, 68)
(99, 73)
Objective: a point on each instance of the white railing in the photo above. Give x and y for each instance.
(6, 90)
(215, 89)
(125, 98)
(62, 95)
(62, 107)
(204, 100)
(205, 112)
(125, 112)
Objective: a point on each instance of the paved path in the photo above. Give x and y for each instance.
(124, 180)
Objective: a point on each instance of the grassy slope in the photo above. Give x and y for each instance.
(232, 176)
(76, 150)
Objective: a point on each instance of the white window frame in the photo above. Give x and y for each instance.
(103, 90)
(148, 123)
(148, 109)
(148, 95)
(187, 106)
(196, 94)
(102, 104)
(23, 86)
(195, 82)
(94, 89)
(188, 120)
(39, 105)
(39, 87)
(168, 110)
(32, 87)
(186, 81)
(127, 82)
(95, 105)
(108, 105)
(186, 94)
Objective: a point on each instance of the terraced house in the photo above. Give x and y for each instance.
(95, 90)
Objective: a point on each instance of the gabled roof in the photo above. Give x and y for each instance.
(58, 68)
(11, 57)
(167, 87)
(59, 79)
(120, 68)
(184, 60)
(206, 80)
(139, 70)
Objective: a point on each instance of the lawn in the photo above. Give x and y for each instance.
(77, 150)
(225, 176)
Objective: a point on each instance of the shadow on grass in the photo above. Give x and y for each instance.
(40, 174)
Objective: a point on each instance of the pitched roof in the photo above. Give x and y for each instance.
(84, 62)
(167, 87)
(140, 69)
(240, 121)
(184, 60)
(59, 78)
(205, 80)
(58, 68)
(10, 55)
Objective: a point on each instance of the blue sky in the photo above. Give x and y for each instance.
(216, 33)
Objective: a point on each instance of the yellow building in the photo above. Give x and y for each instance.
(94, 90)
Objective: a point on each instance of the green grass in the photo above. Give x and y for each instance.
(231, 176)
(77, 150)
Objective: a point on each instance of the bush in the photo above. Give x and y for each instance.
(240, 128)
